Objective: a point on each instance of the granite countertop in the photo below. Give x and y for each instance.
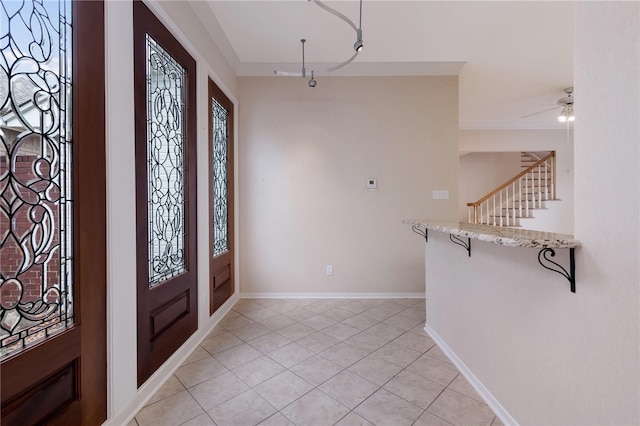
(512, 237)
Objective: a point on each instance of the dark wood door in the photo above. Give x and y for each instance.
(221, 280)
(165, 132)
(52, 214)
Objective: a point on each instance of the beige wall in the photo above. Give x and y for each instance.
(305, 155)
(541, 354)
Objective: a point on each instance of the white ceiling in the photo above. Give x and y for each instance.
(513, 57)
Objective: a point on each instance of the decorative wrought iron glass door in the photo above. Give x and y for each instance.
(221, 281)
(52, 212)
(165, 84)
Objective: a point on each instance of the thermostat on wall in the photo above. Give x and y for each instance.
(372, 184)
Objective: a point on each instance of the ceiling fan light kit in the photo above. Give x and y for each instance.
(357, 46)
(567, 114)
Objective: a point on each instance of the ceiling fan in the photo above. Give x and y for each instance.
(566, 103)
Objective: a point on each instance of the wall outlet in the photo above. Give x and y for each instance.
(329, 269)
(372, 184)
(441, 194)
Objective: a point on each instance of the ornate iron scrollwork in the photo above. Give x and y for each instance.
(459, 241)
(422, 232)
(220, 166)
(166, 168)
(570, 276)
(36, 234)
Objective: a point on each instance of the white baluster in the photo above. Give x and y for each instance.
(539, 187)
(546, 182)
(500, 207)
(513, 197)
(526, 187)
(520, 195)
(494, 209)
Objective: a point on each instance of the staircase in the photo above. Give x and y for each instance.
(519, 196)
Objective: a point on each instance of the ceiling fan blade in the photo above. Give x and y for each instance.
(540, 112)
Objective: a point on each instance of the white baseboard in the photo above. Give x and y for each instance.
(332, 295)
(491, 401)
(157, 379)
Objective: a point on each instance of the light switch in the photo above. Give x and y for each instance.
(441, 194)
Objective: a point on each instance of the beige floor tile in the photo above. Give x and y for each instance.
(283, 389)
(258, 370)
(349, 388)
(340, 331)
(377, 313)
(428, 419)
(261, 314)
(198, 353)
(408, 302)
(317, 342)
(201, 420)
(352, 419)
(248, 408)
(497, 422)
(461, 410)
(414, 313)
(300, 314)
(338, 314)
(296, 331)
(385, 408)
(316, 370)
(356, 307)
(290, 355)
(171, 411)
(199, 371)
(217, 329)
(217, 390)
(461, 385)
(385, 331)
(343, 354)
(366, 341)
(277, 420)
(415, 389)
(170, 387)
(251, 332)
(436, 352)
(403, 323)
(277, 322)
(375, 370)
(238, 355)
(315, 408)
(419, 329)
(391, 306)
(220, 342)
(434, 369)
(235, 323)
(269, 342)
(396, 354)
(246, 305)
(318, 322)
(132, 422)
(360, 321)
(415, 342)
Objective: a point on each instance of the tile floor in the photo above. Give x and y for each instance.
(318, 362)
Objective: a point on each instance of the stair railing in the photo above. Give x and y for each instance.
(527, 190)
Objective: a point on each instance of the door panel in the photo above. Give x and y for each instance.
(221, 284)
(52, 246)
(165, 84)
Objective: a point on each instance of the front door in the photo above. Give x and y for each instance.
(52, 213)
(165, 129)
(221, 197)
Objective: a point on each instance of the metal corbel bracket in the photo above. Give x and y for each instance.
(460, 242)
(570, 276)
(422, 232)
